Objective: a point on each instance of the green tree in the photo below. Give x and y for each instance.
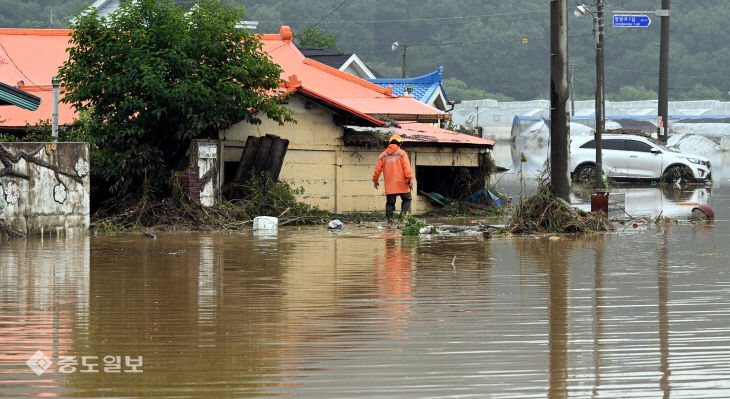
(458, 90)
(152, 78)
(632, 93)
(317, 38)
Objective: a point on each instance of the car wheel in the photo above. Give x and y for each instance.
(585, 173)
(678, 174)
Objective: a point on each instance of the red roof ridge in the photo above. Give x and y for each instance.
(348, 77)
(30, 88)
(284, 34)
(36, 32)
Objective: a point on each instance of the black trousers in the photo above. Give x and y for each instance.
(405, 205)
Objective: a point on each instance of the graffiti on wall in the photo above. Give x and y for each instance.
(9, 192)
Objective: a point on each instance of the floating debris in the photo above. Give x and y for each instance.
(545, 213)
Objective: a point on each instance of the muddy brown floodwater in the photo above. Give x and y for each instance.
(367, 313)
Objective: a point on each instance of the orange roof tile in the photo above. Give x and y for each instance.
(343, 88)
(33, 56)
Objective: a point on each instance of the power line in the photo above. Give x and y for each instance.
(388, 21)
(20, 70)
(330, 13)
(502, 41)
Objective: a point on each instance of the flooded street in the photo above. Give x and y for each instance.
(367, 313)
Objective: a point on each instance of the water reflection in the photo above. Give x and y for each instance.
(663, 290)
(598, 304)
(559, 320)
(648, 202)
(371, 314)
(44, 305)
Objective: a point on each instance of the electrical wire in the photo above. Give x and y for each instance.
(330, 13)
(388, 21)
(20, 70)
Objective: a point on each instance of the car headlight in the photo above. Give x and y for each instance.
(699, 161)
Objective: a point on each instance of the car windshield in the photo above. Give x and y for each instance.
(663, 147)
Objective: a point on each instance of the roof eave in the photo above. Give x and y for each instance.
(309, 93)
(12, 96)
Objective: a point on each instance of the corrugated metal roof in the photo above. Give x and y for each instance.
(11, 96)
(414, 132)
(421, 132)
(19, 117)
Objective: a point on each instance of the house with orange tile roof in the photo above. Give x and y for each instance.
(343, 123)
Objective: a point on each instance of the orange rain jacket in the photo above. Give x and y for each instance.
(396, 169)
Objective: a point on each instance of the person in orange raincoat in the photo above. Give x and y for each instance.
(396, 169)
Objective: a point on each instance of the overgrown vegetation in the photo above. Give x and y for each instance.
(545, 213)
(410, 226)
(176, 76)
(261, 197)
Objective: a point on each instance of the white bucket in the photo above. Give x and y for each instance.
(267, 223)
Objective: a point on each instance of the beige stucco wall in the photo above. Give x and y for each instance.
(336, 177)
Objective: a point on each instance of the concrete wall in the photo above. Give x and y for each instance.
(205, 155)
(336, 177)
(45, 187)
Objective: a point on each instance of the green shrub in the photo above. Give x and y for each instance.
(412, 226)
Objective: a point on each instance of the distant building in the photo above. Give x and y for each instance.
(348, 63)
(343, 123)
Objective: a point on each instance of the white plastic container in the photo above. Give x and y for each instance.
(266, 223)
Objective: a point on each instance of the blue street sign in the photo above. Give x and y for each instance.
(631, 21)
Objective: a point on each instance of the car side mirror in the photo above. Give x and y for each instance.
(656, 151)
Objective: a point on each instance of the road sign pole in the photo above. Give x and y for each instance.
(600, 97)
(664, 74)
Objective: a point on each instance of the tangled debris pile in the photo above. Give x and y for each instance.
(260, 196)
(545, 213)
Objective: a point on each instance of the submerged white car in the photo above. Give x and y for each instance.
(630, 157)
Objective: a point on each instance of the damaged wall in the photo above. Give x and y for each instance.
(336, 177)
(45, 187)
(204, 155)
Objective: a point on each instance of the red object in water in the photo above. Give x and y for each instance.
(706, 210)
(599, 202)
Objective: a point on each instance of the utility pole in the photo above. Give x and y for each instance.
(600, 96)
(664, 75)
(55, 83)
(403, 70)
(572, 91)
(559, 123)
